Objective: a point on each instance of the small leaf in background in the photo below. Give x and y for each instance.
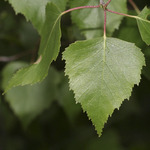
(91, 21)
(102, 74)
(144, 26)
(34, 10)
(129, 25)
(67, 101)
(49, 49)
(28, 36)
(29, 101)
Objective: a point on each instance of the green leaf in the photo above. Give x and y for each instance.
(129, 25)
(29, 101)
(102, 74)
(34, 10)
(49, 49)
(144, 25)
(91, 21)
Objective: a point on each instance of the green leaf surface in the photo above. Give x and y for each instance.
(49, 49)
(144, 26)
(29, 101)
(34, 10)
(102, 74)
(91, 21)
(129, 25)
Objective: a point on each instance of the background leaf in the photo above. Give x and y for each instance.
(49, 49)
(129, 25)
(67, 101)
(102, 77)
(91, 21)
(29, 101)
(34, 10)
(144, 27)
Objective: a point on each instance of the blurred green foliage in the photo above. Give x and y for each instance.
(45, 116)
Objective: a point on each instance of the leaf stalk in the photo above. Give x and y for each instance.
(77, 8)
(126, 15)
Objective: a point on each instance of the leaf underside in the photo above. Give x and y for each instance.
(102, 74)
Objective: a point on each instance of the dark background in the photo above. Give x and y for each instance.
(128, 128)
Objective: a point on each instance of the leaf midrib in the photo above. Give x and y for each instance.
(49, 37)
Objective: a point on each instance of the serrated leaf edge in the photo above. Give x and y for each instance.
(109, 115)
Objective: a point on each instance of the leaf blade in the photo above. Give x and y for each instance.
(34, 10)
(28, 102)
(101, 86)
(144, 25)
(48, 52)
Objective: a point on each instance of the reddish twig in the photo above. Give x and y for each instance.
(81, 7)
(107, 3)
(134, 6)
(15, 57)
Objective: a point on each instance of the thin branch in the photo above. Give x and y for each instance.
(77, 8)
(134, 6)
(107, 3)
(15, 57)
